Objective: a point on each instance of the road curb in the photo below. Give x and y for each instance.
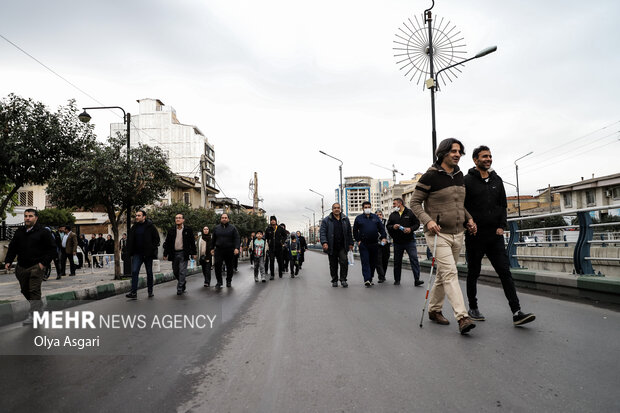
(18, 310)
(555, 284)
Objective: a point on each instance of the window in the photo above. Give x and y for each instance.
(590, 197)
(568, 200)
(615, 192)
(26, 198)
(186, 198)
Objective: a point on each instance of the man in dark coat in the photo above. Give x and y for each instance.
(179, 246)
(226, 242)
(141, 248)
(402, 225)
(337, 240)
(34, 248)
(485, 199)
(275, 236)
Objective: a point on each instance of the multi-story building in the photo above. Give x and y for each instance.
(358, 189)
(592, 192)
(190, 155)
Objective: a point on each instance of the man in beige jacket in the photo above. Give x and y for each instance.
(438, 202)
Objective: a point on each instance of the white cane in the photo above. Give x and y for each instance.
(430, 279)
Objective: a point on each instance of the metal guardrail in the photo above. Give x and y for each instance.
(582, 260)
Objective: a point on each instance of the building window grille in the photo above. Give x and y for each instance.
(568, 200)
(26, 198)
(590, 198)
(186, 198)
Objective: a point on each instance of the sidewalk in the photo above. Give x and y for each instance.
(83, 286)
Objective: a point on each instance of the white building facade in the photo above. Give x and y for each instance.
(189, 152)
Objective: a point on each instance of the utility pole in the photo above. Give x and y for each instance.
(255, 199)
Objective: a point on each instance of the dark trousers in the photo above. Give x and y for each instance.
(30, 280)
(227, 256)
(48, 269)
(493, 246)
(368, 256)
(236, 261)
(270, 261)
(294, 263)
(63, 263)
(384, 254)
(302, 257)
(336, 258)
(136, 263)
(412, 252)
(206, 270)
(252, 257)
(285, 259)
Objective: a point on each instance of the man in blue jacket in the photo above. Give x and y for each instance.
(367, 229)
(336, 238)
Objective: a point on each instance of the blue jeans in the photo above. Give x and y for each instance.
(136, 263)
(412, 252)
(368, 256)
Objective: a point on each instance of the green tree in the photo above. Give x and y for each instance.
(163, 217)
(105, 178)
(36, 143)
(56, 217)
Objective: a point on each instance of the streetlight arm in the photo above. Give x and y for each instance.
(528, 154)
(109, 107)
(481, 53)
(333, 157)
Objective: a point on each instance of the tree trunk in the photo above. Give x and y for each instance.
(117, 262)
(6, 200)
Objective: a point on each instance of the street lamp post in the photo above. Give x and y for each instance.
(322, 209)
(340, 199)
(308, 228)
(432, 82)
(85, 118)
(517, 172)
(313, 224)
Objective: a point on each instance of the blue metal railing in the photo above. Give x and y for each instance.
(582, 260)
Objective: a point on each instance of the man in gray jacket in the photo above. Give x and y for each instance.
(442, 191)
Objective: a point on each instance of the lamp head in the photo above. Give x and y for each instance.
(84, 117)
(486, 51)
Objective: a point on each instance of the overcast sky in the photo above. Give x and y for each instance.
(271, 83)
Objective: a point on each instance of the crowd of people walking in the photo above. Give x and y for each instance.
(452, 208)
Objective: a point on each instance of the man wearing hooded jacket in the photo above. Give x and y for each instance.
(485, 199)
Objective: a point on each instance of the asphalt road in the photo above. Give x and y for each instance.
(300, 345)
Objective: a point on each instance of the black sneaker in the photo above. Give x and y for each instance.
(380, 281)
(522, 318)
(335, 284)
(367, 284)
(218, 286)
(475, 314)
(228, 284)
(418, 283)
(151, 295)
(271, 278)
(344, 284)
(396, 282)
(179, 292)
(207, 284)
(133, 296)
